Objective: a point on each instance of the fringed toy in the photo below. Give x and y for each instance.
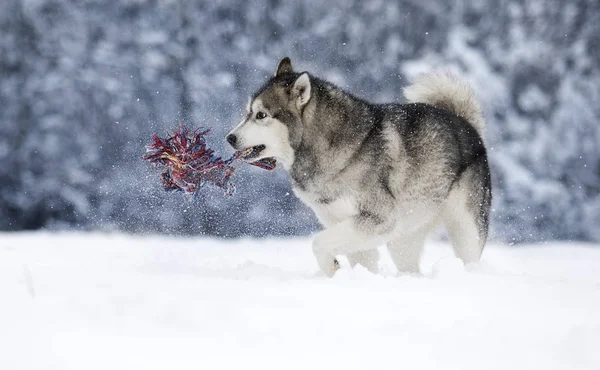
(189, 164)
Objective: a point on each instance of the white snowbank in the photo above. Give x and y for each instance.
(105, 301)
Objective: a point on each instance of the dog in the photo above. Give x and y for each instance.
(376, 174)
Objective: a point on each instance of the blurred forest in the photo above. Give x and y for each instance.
(84, 84)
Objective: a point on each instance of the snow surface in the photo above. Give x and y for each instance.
(111, 301)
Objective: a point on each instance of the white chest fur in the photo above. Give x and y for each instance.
(328, 213)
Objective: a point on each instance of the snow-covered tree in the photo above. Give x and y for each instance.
(84, 84)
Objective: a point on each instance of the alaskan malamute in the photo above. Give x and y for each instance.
(376, 174)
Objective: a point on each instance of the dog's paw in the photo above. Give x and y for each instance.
(326, 261)
(329, 267)
(322, 272)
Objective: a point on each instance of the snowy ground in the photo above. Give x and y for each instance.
(102, 301)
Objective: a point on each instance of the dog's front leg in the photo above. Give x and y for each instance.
(361, 232)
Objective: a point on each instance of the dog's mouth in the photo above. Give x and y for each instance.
(252, 152)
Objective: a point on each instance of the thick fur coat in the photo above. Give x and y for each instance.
(377, 174)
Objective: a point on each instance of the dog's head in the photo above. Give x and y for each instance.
(272, 125)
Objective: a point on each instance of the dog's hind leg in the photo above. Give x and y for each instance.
(466, 216)
(367, 258)
(464, 236)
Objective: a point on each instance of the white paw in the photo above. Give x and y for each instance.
(329, 270)
(325, 259)
(328, 264)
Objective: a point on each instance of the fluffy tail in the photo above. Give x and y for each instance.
(445, 90)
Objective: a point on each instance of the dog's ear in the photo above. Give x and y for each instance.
(285, 66)
(301, 90)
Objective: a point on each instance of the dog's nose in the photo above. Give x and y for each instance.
(231, 139)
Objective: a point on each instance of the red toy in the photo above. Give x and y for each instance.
(190, 164)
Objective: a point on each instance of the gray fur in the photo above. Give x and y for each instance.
(384, 173)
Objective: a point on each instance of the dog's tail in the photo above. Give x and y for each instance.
(445, 90)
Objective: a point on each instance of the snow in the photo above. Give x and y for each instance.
(111, 301)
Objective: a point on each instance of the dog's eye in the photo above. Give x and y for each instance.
(261, 115)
